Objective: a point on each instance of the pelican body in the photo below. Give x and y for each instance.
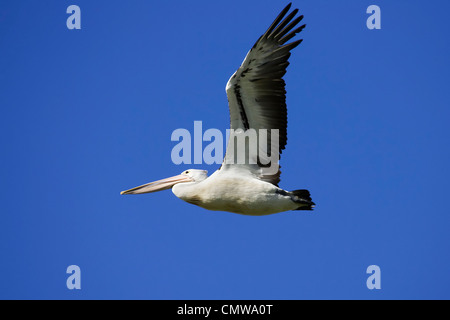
(256, 97)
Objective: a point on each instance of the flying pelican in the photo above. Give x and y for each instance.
(256, 97)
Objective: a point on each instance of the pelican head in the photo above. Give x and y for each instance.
(191, 175)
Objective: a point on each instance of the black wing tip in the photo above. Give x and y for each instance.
(277, 20)
(293, 44)
(283, 25)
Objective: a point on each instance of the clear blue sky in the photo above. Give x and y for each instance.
(88, 113)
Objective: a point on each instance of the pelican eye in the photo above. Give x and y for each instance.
(187, 172)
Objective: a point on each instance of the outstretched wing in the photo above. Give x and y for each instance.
(256, 91)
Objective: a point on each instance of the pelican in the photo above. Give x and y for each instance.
(257, 100)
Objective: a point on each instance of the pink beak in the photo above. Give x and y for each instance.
(158, 185)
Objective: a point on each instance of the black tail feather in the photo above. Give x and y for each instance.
(303, 198)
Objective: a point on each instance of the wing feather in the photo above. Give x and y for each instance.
(256, 91)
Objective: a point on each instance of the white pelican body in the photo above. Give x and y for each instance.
(236, 192)
(256, 97)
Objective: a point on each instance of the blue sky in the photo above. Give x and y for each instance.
(88, 113)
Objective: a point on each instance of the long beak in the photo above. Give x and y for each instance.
(158, 185)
